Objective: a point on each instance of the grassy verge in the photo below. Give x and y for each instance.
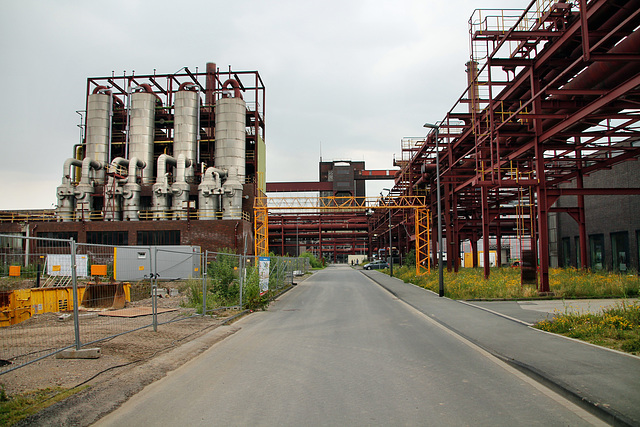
(617, 327)
(504, 283)
(20, 406)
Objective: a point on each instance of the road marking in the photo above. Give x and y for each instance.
(513, 319)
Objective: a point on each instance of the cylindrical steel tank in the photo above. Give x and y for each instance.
(162, 189)
(142, 131)
(209, 192)
(98, 130)
(185, 127)
(230, 135)
(66, 192)
(131, 191)
(232, 196)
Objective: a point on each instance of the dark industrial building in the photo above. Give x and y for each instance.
(611, 223)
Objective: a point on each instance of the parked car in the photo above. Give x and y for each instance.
(376, 265)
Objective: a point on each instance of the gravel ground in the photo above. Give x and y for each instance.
(127, 363)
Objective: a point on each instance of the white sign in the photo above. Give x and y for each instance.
(60, 265)
(263, 272)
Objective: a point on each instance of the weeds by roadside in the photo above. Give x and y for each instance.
(504, 283)
(617, 327)
(18, 407)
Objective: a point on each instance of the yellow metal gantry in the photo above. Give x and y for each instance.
(264, 204)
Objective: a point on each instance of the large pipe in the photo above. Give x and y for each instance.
(113, 190)
(474, 97)
(237, 93)
(66, 191)
(232, 199)
(161, 189)
(84, 190)
(180, 188)
(131, 190)
(209, 192)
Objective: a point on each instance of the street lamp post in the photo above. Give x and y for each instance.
(390, 241)
(297, 242)
(440, 263)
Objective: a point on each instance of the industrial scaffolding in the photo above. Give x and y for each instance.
(553, 95)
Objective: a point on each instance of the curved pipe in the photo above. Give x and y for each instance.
(163, 160)
(183, 164)
(236, 88)
(147, 88)
(103, 89)
(213, 174)
(66, 169)
(134, 164)
(87, 165)
(208, 174)
(187, 86)
(121, 161)
(99, 89)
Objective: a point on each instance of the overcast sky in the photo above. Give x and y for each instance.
(351, 76)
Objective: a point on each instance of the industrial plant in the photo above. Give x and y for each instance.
(164, 159)
(551, 106)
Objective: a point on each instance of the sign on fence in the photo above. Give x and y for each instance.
(60, 265)
(263, 271)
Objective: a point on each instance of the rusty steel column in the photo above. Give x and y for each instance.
(474, 249)
(542, 249)
(582, 226)
(434, 228)
(499, 245)
(447, 226)
(456, 234)
(485, 229)
(209, 94)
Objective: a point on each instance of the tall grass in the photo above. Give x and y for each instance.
(617, 327)
(504, 283)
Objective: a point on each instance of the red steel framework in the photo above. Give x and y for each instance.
(553, 95)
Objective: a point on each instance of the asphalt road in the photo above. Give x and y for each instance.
(339, 350)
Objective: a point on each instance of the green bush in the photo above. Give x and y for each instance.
(251, 298)
(410, 258)
(315, 263)
(223, 276)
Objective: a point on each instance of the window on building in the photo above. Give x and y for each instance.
(158, 237)
(8, 243)
(120, 238)
(596, 251)
(65, 235)
(566, 252)
(578, 262)
(620, 251)
(638, 249)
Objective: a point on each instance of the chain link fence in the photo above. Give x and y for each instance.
(56, 294)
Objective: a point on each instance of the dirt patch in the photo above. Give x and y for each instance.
(127, 363)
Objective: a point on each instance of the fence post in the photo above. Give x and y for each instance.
(76, 303)
(241, 273)
(204, 282)
(154, 290)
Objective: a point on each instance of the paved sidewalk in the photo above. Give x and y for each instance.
(534, 311)
(607, 381)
